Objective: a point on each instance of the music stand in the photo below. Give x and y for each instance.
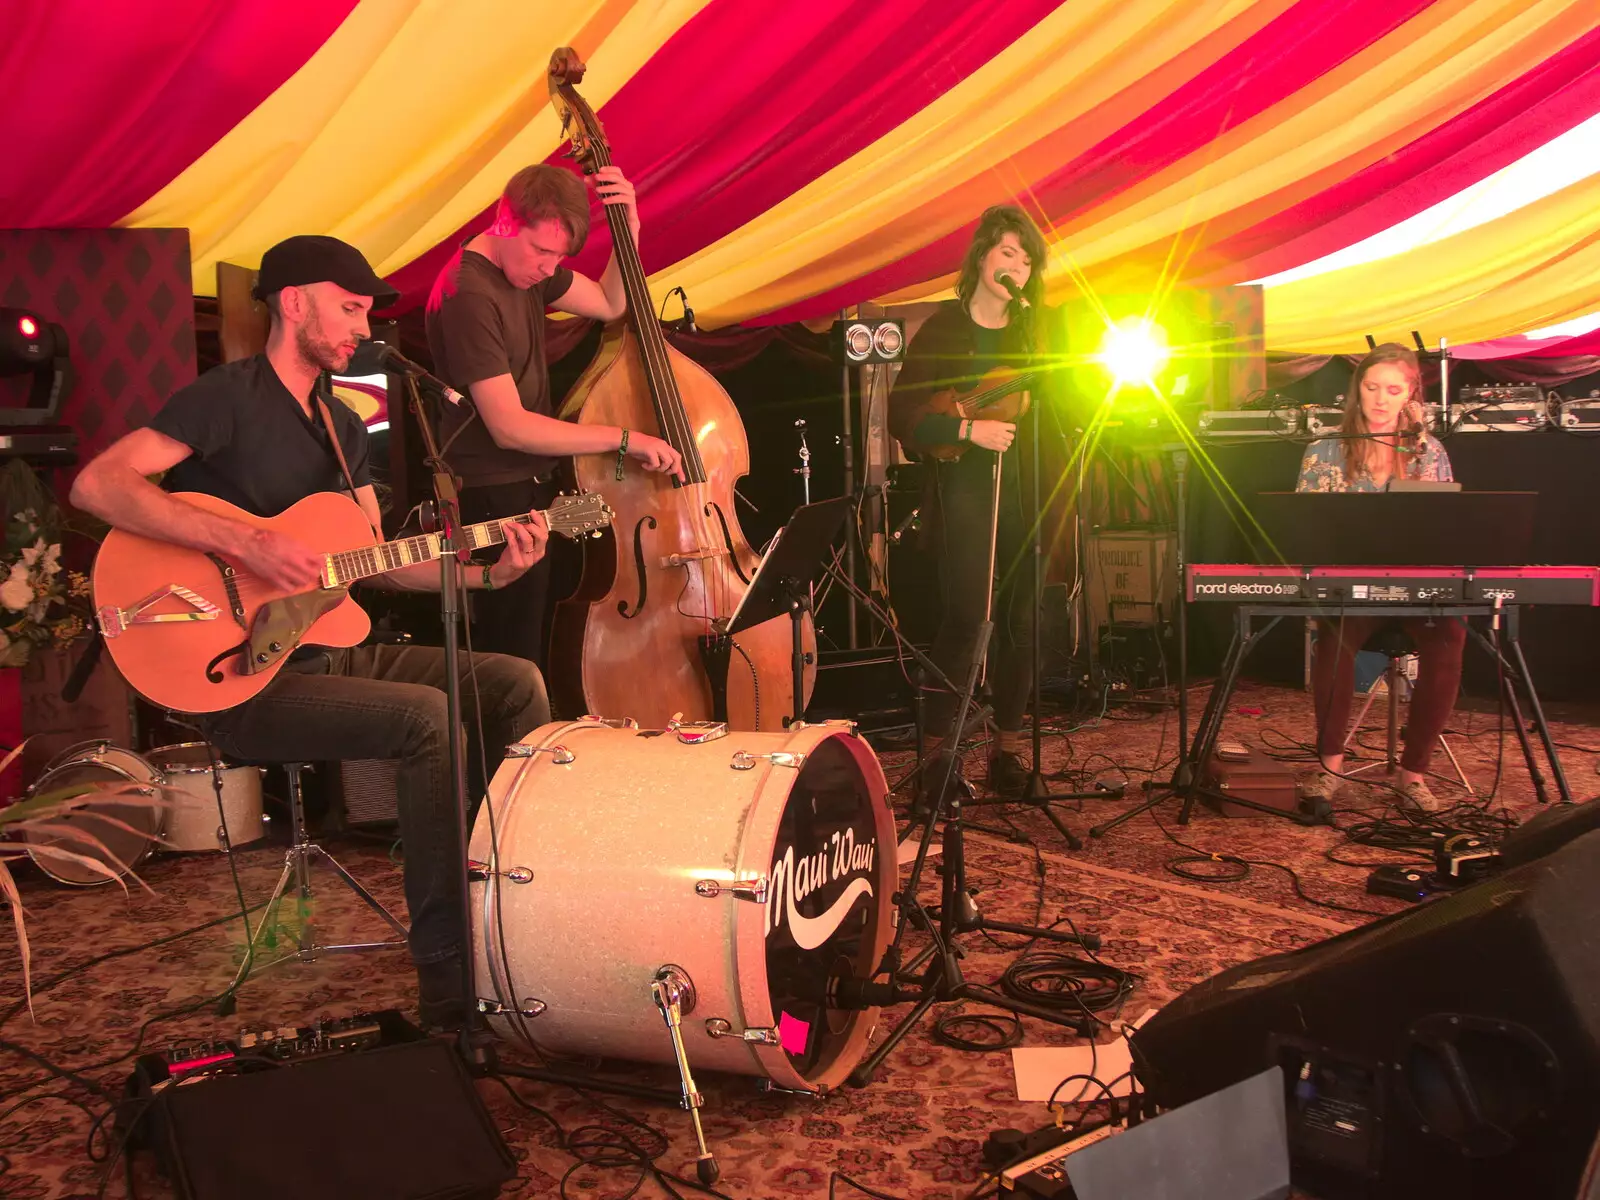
(782, 584)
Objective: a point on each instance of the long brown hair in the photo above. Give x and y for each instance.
(1364, 455)
(995, 223)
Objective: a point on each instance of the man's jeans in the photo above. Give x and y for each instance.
(389, 702)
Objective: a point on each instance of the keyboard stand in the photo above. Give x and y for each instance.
(1513, 671)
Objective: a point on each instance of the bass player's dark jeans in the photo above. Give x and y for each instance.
(389, 702)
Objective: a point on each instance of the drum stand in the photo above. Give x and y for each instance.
(942, 980)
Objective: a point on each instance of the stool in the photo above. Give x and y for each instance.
(1394, 645)
(297, 866)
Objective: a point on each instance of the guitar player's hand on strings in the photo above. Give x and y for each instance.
(284, 562)
(993, 435)
(525, 545)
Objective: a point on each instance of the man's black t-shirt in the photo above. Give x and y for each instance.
(253, 444)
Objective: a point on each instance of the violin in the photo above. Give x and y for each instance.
(1000, 395)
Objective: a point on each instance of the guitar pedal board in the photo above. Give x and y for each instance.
(282, 1045)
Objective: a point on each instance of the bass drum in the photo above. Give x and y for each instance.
(762, 865)
(192, 819)
(129, 832)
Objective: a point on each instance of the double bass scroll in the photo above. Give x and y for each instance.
(658, 591)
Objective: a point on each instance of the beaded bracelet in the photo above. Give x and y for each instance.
(622, 453)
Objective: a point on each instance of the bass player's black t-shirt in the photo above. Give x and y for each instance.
(253, 444)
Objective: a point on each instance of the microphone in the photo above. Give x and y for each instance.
(1010, 285)
(372, 358)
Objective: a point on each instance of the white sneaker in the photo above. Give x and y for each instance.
(1417, 794)
(1320, 787)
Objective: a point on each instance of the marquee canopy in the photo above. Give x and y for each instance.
(795, 158)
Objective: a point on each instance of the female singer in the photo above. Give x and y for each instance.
(981, 329)
(1382, 438)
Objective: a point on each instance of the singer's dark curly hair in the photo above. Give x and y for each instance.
(1363, 456)
(992, 226)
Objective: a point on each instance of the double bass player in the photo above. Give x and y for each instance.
(485, 321)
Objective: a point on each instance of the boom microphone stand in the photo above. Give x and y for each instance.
(1037, 794)
(472, 1039)
(942, 980)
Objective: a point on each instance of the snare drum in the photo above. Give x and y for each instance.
(192, 818)
(98, 762)
(760, 864)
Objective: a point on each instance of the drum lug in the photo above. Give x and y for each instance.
(610, 722)
(743, 760)
(695, 733)
(754, 890)
(530, 1008)
(719, 1027)
(479, 872)
(558, 754)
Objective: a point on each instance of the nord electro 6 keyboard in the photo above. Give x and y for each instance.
(1246, 584)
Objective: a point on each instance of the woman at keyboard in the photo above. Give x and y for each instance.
(1383, 437)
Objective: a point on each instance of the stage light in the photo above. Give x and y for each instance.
(869, 340)
(888, 339)
(26, 341)
(1134, 350)
(32, 345)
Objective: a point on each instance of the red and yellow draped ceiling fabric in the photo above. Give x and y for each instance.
(792, 159)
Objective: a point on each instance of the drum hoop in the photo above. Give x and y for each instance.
(762, 831)
(499, 970)
(63, 762)
(59, 764)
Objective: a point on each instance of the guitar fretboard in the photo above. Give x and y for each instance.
(348, 566)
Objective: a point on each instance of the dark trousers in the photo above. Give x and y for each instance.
(511, 620)
(1439, 642)
(389, 702)
(963, 496)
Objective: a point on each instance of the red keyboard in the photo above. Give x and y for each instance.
(1241, 583)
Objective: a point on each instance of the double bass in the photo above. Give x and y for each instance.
(644, 636)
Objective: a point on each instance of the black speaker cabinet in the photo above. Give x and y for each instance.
(397, 1123)
(1449, 1050)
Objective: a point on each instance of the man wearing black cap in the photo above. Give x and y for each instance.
(253, 433)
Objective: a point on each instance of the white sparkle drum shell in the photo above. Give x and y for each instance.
(98, 762)
(192, 823)
(632, 839)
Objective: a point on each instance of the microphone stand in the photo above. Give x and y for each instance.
(473, 1038)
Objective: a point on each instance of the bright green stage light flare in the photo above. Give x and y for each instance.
(1133, 350)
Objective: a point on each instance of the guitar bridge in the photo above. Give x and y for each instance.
(114, 621)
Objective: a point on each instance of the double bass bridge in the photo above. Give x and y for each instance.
(698, 554)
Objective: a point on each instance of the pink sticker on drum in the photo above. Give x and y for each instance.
(793, 1033)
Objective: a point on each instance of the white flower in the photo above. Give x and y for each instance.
(19, 572)
(16, 594)
(30, 555)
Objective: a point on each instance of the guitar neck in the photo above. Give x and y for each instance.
(348, 566)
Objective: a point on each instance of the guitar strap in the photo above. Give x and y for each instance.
(338, 452)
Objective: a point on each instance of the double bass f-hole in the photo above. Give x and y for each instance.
(713, 509)
(638, 562)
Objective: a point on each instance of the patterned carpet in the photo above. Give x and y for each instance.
(915, 1132)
